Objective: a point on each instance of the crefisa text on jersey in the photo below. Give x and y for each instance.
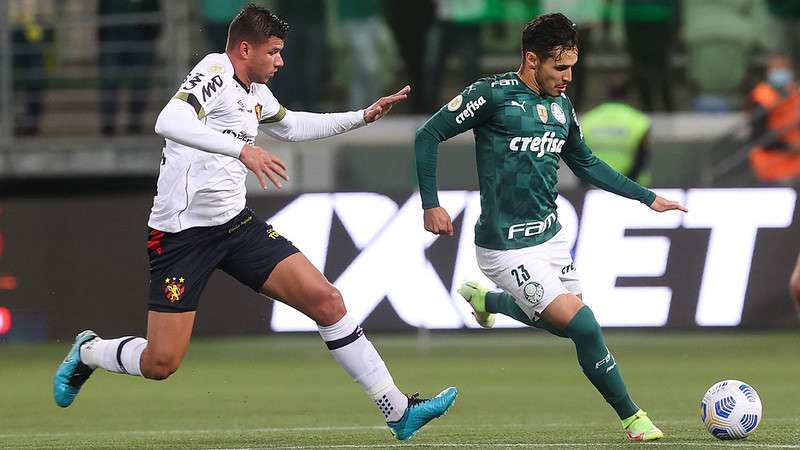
(540, 145)
(470, 109)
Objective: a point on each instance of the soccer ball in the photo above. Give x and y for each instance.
(731, 409)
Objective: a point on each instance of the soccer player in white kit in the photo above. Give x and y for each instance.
(199, 223)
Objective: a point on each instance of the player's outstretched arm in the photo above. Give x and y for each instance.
(660, 204)
(298, 126)
(264, 164)
(384, 104)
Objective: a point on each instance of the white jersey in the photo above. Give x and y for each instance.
(202, 188)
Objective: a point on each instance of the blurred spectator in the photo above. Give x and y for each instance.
(361, 27)
(300, 84)
(619, 135)
(128, 31)
(410, 22)
(588, 17)
(455, 32)
(29, 39)
(794, 286)
(650, 34)
(785, 24)
(775, 112)
(721, 38)
(217, 15)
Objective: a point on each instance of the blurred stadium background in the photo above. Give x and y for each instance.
(81, 82)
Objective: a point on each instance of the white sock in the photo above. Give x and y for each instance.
(120, 355)
(355, 353)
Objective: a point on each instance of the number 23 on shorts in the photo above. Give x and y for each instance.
(520, 274)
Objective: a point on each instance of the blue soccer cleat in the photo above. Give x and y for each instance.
(421, 411)
(72, 373)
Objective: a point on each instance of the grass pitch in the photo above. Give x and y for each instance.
(518, 389)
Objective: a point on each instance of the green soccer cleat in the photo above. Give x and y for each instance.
(475, 295)
(72, 373)
(639, 428)
(421, 411)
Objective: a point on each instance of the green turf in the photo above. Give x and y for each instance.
(517, 390)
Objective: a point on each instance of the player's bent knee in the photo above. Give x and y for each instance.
(563, 310)
(159, 368)
(583, 325)
(328, 306)
(158, 372)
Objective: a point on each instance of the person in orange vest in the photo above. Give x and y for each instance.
(776, 124)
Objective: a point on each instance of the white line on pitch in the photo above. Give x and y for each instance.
(333, 428)
(191, 431)
(520, 445)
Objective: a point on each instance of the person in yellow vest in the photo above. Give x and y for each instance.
(619, 135)
(775, 110)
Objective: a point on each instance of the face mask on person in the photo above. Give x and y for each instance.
(779, 77)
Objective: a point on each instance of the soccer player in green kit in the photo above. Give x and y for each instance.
(523, 124)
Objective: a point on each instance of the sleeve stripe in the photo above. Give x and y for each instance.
(275, 118)
(192, 100)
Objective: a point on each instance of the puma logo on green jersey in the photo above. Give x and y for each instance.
(540, 145)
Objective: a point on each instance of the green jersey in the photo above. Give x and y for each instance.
(520, 138)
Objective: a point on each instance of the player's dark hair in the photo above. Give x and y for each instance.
(549, 34)
(255, 24)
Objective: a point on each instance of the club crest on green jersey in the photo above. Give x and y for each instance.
(542, 111)
(558, 113)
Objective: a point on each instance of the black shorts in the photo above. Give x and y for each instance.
(181, 263)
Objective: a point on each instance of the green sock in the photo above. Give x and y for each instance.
(502, 302)
(598, 364)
